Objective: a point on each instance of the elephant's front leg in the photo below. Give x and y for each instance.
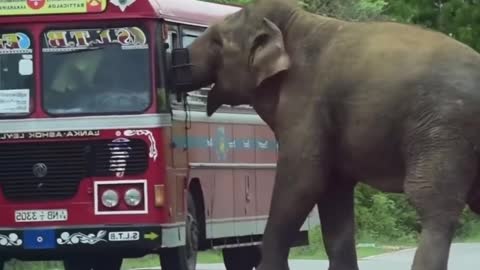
(299, 181)
(336, 209)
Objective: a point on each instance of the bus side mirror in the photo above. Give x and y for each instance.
(181, 70)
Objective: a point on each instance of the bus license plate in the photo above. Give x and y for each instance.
(41, 215)
(124, 236)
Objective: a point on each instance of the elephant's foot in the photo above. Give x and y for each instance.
(433, 250)
(273, 266)
(343, 266)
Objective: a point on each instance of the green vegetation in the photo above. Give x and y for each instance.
(458, 18)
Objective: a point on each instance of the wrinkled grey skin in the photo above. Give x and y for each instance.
(394, 106)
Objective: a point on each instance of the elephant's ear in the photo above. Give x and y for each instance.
(267, 53)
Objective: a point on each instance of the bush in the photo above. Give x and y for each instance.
(384, 217)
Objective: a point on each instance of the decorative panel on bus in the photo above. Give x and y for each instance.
(43, 7)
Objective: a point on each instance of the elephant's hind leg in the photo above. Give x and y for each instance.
(440, 172)
(336, 210)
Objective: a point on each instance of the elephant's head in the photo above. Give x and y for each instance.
(237, 54)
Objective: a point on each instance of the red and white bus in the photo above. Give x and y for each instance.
(100, 161)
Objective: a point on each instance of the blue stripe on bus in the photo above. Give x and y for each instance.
(202, 142)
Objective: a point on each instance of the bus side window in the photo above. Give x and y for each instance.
(187, 40)
(189, 35)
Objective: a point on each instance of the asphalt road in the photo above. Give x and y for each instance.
(462, 257)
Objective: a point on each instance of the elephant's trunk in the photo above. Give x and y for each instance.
(203, 62)
(201, 76)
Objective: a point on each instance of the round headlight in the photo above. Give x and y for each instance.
(110, 198)
(133, 197)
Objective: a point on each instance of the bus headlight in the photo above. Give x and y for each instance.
(133, 197)
(110, 198)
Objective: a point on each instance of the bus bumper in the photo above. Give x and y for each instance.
(56, 242)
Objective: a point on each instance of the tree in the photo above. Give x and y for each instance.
(235, 2)
(344, 9)
(457, 18)
(357, 10)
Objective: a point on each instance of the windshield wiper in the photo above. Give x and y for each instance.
(81, 50)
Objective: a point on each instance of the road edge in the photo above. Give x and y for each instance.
(407, 249)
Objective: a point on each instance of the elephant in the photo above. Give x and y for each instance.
(388, 104)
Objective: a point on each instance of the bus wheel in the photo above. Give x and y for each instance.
(101, 263)
(184, 257)
(108, 263)
(241, 258)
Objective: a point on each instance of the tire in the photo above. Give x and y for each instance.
(185, 257)
(102, 263)
(241, 258)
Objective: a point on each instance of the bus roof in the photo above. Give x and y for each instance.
(194, 12)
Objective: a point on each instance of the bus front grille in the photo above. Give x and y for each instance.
(54, 170)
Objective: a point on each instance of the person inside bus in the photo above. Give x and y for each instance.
(77, 71)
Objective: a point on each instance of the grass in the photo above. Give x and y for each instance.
(320, 254)
(474, 238)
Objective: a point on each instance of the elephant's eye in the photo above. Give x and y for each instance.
(215, 38)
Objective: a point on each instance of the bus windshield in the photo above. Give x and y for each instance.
(96, 71)
(16, 74)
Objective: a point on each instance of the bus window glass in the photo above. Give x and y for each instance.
(16, 73)
(187, 40)
(94, 71)
(189, 35)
